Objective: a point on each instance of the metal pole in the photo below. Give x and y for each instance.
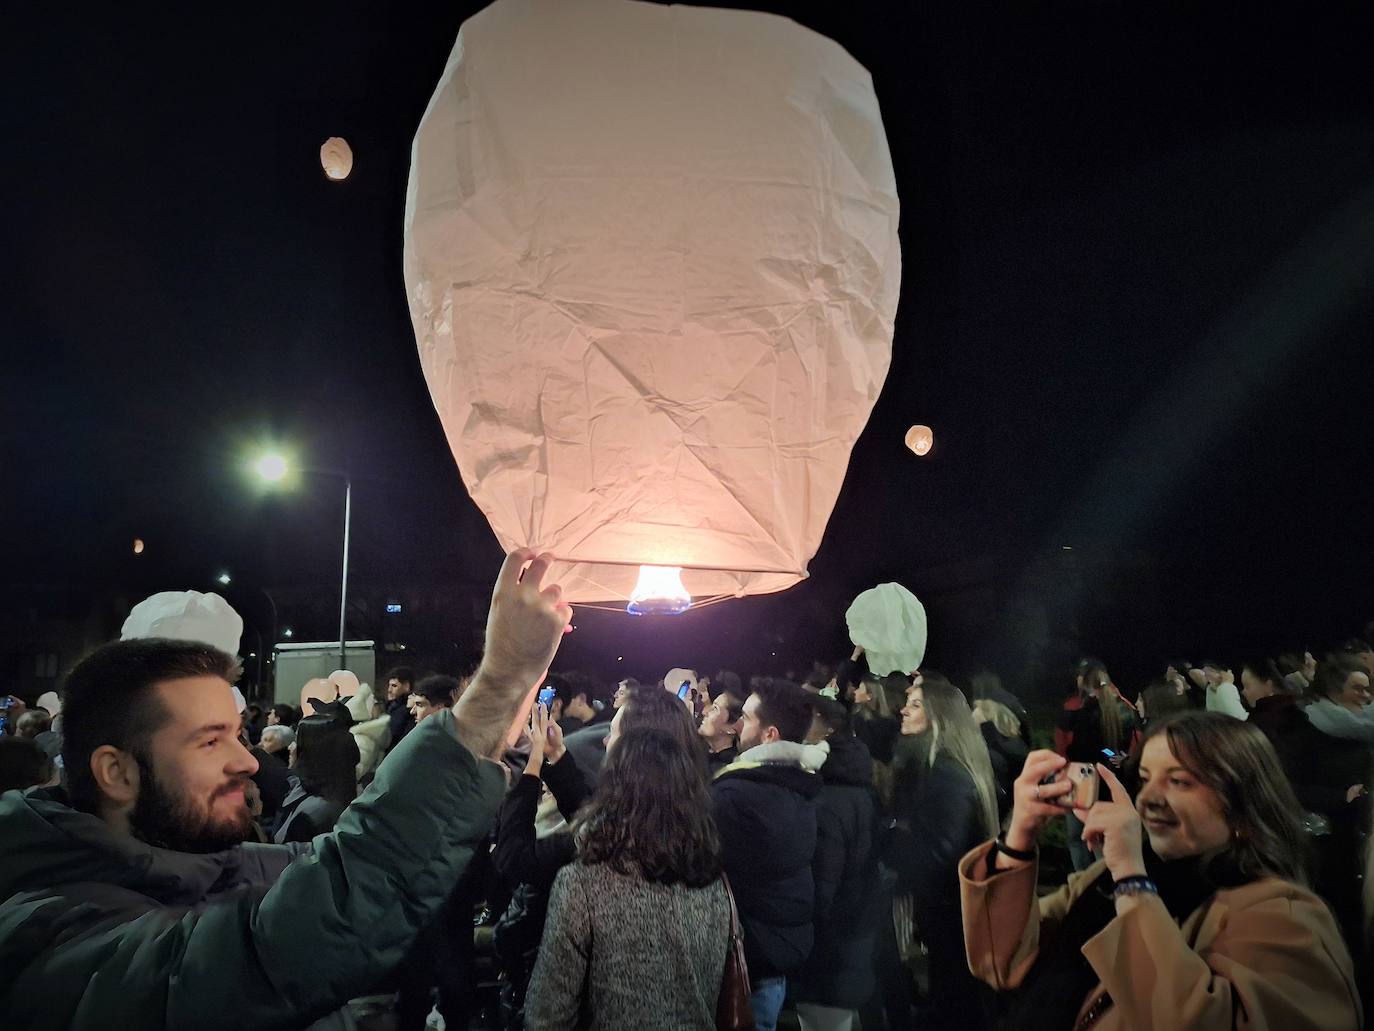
(272, 640)
(343, 590)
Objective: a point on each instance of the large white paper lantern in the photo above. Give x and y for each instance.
(652, 263)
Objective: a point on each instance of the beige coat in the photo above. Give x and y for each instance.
(1267, 955)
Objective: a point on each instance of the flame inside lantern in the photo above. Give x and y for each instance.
(659, 592)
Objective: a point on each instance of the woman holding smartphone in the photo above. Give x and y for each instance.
(1197, 914)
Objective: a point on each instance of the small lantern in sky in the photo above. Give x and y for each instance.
(920, 439)
(336, 156)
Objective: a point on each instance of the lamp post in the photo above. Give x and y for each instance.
(224, 579)
(273, 468)
(343, 587)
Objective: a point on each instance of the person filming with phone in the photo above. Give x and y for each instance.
(1196, 913)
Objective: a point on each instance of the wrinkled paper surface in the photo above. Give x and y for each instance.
(889, 623)
(652, 263)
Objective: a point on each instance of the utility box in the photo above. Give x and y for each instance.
(294, 664)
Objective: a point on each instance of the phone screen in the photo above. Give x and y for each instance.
(546, 697)
(684, 690)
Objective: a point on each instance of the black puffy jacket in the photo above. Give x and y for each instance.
(766, 812)
(848, 890)
(1008, 757)
(940, 818)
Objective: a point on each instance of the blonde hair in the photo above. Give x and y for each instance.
(1006, 722)
(953, 732)
(1099, 685)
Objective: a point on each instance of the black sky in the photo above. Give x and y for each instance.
(1138, 247)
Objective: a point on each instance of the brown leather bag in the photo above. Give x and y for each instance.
(734, 1010)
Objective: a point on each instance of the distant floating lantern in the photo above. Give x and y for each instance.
(138, 545)
(920, 439)
(336, 156)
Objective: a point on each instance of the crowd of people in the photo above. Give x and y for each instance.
(532, 850)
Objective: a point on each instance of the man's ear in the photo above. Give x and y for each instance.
(770, 735)
(116, 774)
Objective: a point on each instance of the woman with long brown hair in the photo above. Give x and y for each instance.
(529, 863)
(1197, 914)
(638, 925)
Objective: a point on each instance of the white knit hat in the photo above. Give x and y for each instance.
(186, 616)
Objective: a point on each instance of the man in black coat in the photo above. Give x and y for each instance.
(838, 978)
(766, 811)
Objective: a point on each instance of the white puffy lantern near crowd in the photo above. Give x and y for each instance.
(652, 263)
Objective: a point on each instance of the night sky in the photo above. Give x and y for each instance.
(1138, 247)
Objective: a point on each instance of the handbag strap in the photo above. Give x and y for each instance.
(735, 931)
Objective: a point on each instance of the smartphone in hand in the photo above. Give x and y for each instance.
(1086, 785)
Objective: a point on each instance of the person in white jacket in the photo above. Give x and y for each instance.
(1343, 707)
(1222, 693)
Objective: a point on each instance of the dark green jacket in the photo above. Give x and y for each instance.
(102, 931)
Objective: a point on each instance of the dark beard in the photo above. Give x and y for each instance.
(163, 818)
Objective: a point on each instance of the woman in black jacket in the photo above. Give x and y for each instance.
(325, 775)
(1002, 732)
(945, 804)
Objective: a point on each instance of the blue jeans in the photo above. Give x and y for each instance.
(767, 999)
(1079, 852)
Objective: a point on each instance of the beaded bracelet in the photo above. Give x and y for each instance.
(1136, 885)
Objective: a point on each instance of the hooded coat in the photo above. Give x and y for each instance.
(765, 808)
(848, 890)
(99, 930)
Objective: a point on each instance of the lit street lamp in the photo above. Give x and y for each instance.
(272, 468)
(224, 579)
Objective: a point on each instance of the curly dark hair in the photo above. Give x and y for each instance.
(651, 814)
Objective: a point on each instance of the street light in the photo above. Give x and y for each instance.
(224, 579)
(272, 468)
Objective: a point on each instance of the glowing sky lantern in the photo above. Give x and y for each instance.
(920, 439)
(652, 263)
(336, 157)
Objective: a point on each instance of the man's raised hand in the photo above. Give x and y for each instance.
(526, 622)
